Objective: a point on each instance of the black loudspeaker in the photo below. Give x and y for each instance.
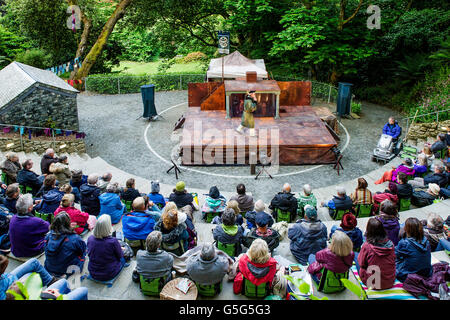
(148, 98)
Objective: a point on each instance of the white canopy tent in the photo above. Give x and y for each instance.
(235, 65)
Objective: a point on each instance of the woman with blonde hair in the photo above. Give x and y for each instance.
(78, 219)
(338, 257)
(421, 165)
(106, 258)
(174, 231)
(232, 204)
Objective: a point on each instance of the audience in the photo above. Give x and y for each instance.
(306, 198)
(105, 253)
(129, 193)
(389, 218)
(27, 232)
(421, 165)
(440, 144)
(244, 200)
(63, 247)
(404, 189)
(439, 177)
(104, 181)
(152, 209)
(174, 235)
(349, 227)
(183, 199)
(377, 255)
(47, 160)
(61, 170)
(362, 195)
(48, 184)
(407, 167)
(137, 224)
(214, 203)
(28, 178)
(308, 236)
(262, 231)
(337, 258)
(430, 156)
(284, 201)
(110, 203)
(207, 268)
(153, 263)
(12, 194)
(413, 253)
(388, 194)
(339, 202)
(50, 201)
(433, 229)
(260, 206)
(78, 218)
(78, 179)
(421, 198)
(228, 232)
(11, 167)
(155, 196)
(90, 193)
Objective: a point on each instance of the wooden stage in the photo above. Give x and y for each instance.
(299, 137)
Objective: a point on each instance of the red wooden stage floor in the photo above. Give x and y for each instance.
(298, 137)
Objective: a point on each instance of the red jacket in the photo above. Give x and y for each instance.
(326, 258)
(258, 273)
(380, 197)
(77, 216)
(382, 256)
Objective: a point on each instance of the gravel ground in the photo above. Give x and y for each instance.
(115, 134)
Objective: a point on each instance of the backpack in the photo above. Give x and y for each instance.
(229, 248)
(127, 251)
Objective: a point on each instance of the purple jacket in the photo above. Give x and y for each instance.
(326, 258)
(404, 169)
(104, 257)
(419, 285)
(391, 225)
(27, 235)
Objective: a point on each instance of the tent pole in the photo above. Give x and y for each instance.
(222, 66)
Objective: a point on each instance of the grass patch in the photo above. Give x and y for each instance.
(143, 68)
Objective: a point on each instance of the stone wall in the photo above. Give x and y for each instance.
(39, 146)
(39, 105)
(423, 132)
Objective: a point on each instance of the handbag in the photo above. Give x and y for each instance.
(127, 251)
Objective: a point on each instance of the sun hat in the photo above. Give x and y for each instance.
(180, 186)
(434, 189)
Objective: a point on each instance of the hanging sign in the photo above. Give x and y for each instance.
(224, 42)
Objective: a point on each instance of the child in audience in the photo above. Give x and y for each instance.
(155, 196)
(349, 227)
(389, 218)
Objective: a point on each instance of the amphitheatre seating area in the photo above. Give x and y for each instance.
(124, 289)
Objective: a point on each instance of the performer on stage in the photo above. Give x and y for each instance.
(250, 105)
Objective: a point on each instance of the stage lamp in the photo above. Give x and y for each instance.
(9, 145)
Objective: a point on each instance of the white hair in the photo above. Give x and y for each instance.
(24, 202)
(307, 189)
(103, 227)
(260, 206)
(49, 151)
(341, 190)
(434, 220)
(92, 179)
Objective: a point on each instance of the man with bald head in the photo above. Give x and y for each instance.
(284, 201)
(47, 160)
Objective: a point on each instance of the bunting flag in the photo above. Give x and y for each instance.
(40, 132)
(69, 66)
(74, 82)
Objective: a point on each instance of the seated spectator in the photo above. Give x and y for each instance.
(262, 231)
(228, 232)
(110, 203)
(28, 178)
(155, 196)
(284, 201)
(27, 232)
(430, 156)
(104, 181)
(232, 204)
(447, 136)
(362, 195)
(250, 216)
(214, 202)
(244, 200)
(173, 233)
(389, 218)
(439, 177)
(349, 227)
(67, 189)
(258, 267)
(421, 165)
(183, 199)
(391, 128)
(89, 201)
(105, 253)
(61, 170)
(47, 160)
(50, 201)
(377, 251)
(130, 192)
(439, 145)
(184, 219)
(32, 265)
(337, 258)
(78, 179)
(404, 189)
(207, 268)
(5, 244)
(78, 218)
(137, 224)
(11, 167)
(308, 236)
(153, 263)
(152, 209)
(422, 198)
(433, 229)
(12, 194)
(413, 253)
(63, 248)
(306, 198)
(48, 184)
(339, 202)
(407, 167)
(61, 287)
(389, 194)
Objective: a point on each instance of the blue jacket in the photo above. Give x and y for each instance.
(157, 198)
(62, 252)
(50, 201)
(355, 235)
(137, 225)
(89, 199)
(110, 204)
(392, 130)
(307, 237)
(79, 183)
(10, 204)
(413, 257)
(30, 179)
